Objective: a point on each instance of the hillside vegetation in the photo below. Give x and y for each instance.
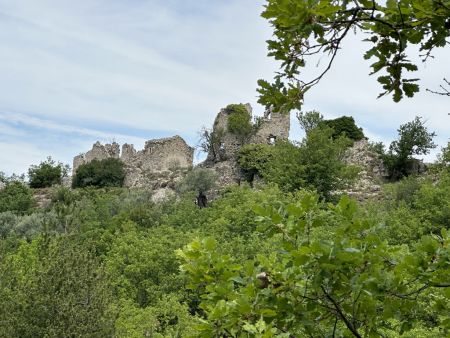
(287, 257)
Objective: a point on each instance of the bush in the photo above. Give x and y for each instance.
(323, 168)
(8, 221)
(201, 181)
(315, 164)
(16, 197)
(104, 173)
(344, 126)
(47, 173)
(239, 120)
(253, 158)
(444, 158)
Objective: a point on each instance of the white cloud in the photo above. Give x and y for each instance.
(19, 155)
(86, 69)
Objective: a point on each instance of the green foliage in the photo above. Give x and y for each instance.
(377, 148)
(414, 207)
(16, 197)
(344, 126)
(47, 173)
(350, 284)
(7, 222)
(309, 120)
(142, 264)
(444, 158)
(321, 156)
(54, 288)
(210, 141)
(13, 178)
(414, 139)
(254, 158)
(285, 168)
(239, 120)
(104, 173)
(305, 30)
(274, 261)
(168, 318)
(316, 163)
(200, 180)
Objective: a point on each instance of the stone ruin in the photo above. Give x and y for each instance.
(267, 130)
(372, 174)
(159, 165)
(164, 162)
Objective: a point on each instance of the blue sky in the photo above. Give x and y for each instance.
(73, 72)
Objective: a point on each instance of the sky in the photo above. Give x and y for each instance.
(74, 72)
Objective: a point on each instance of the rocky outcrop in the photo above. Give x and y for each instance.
(2, 185)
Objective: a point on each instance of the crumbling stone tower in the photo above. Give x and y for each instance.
(223, 158)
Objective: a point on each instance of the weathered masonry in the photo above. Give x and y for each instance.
(163, 162)
(154, 166)
(268, 129)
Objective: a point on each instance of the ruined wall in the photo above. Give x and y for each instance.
(270, 128)
(164, 162)
(372, 174)
(98, 152)
(155, 166)
(159, 164)
(229, 143)
(273, 127)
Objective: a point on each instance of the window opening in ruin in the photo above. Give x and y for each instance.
(272, 140)
(268, 113)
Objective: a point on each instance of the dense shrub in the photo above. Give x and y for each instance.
(253, 158)
(7, 222)
(239, 120)
(47, 173)
(344, 126)
(199, 180)
(104, 173)
(13, 178)
(59, 291)
(316, 163)
(16, 197)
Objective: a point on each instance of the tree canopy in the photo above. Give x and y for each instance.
(413, 139)
(305, 28)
